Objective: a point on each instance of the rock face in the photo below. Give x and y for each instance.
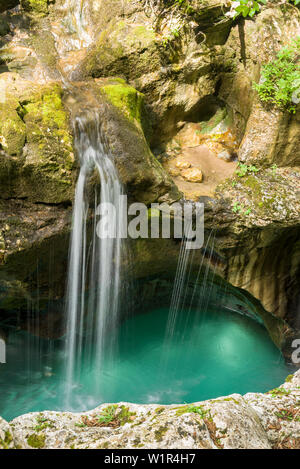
(174, 68)
(38, 174)
(253, 421)
(164, 58)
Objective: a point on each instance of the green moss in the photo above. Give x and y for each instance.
(127, 99)
(228, 399)
(159, 410)
(254, 184)
(47, 126)
(39, 7)
(125, 416)
(188, 409)
(36, 441)
(278, 392)
(289, 378)
(48, 106)
(123, 49)
(43, 423)
(220, 115)
(159, 434)
(12, 130)
(47, 170)
(6, 443)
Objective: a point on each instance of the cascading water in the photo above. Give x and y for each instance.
(94, 268)
(73, 33)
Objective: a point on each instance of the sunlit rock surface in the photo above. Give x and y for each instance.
(253, 421)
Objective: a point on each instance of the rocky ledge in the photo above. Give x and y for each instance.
(262, 421)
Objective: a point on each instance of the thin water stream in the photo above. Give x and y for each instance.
(92, 300)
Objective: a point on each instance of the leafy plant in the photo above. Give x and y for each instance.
(174, 33)
(185, 5)
(280, 79)
(274, 166)
(236, 207)
(244, 169)
(245, 8)
(192, 409)
(248, 8)
(108, 414)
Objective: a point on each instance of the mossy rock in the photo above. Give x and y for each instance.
(38, 7)
(12, 130)
(36, 441)
(127, 99)
(49, 155)
(126, 126)
(124, 49)
(34, 126)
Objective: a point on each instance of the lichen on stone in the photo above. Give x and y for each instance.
(36, 441)
(38, 7)
(12, 130)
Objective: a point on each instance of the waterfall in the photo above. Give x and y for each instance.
(180, 282)
(201, 293)
(73, 32)
(93, 287)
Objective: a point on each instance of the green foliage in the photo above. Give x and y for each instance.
(279, 392)
(280, 79)
(236, 207)
(248, 8)
(42, 423)
(244, 169)
(184, 5)
(192, 409)
(108, 414)
(173, 34)
(8, 439)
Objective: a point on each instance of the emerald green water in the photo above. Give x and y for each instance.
(210, 355)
